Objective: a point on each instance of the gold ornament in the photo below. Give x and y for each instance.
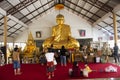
(59, 6)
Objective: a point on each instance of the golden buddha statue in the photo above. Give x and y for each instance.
(61, 36)
(30, 47)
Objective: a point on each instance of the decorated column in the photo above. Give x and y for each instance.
(5, 38)
(115, 28)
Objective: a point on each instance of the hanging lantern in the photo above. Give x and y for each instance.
(59, 6)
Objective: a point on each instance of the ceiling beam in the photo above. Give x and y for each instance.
(104, 28)
(37, 8)
(82, 8)
(116, 20)
(15, 31)
(101, 19)
(7, 31)
(20, 6)
(21, 12)
(59, 1)
(76, 3)
(42, 4)
(3, 12)
(17, 21)
(116, 9)
(100, 5)
(99, 8)
(109, 25)
(12, 18)
(40, 13)
(80, 13)
(89, 9)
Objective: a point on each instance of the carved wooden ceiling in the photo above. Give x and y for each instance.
(20, 13)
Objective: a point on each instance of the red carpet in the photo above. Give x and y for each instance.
(38, 72)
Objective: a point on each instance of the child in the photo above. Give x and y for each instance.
(50, 63)
(75, 71)
(16, 61)
(86, 70)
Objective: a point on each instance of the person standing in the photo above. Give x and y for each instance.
(2, 59)
(42, 57)
(55, 54)
(63, 56)
(16, 61)
(106, 51)
(50, 63)
(115, 53)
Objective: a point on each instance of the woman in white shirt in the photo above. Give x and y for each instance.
(50, 64)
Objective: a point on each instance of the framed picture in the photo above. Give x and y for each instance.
(38, 34)
(111, 37)
(99, 38)
(82, 33)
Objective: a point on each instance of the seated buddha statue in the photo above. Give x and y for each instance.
(61, 36)
(30, 47)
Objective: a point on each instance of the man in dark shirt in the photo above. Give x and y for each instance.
(63, 56)
(115, 53)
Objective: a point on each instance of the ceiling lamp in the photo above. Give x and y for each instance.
(59, 5)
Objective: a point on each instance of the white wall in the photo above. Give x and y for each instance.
(98, 33)
(45, 23)
(9, 39)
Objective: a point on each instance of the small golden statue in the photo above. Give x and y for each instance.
(61, 36)
(30, 47)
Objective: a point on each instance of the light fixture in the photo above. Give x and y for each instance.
(59, 5)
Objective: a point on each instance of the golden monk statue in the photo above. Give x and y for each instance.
(30, 47)
(61, 35)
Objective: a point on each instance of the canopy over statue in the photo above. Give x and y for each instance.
(61, 35)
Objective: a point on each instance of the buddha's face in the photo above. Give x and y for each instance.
(59, 21)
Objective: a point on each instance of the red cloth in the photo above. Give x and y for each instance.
(50, 64)
(50, 68)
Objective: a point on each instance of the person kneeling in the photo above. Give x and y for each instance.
(75, 70)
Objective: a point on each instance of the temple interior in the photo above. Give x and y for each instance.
(88, 29)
